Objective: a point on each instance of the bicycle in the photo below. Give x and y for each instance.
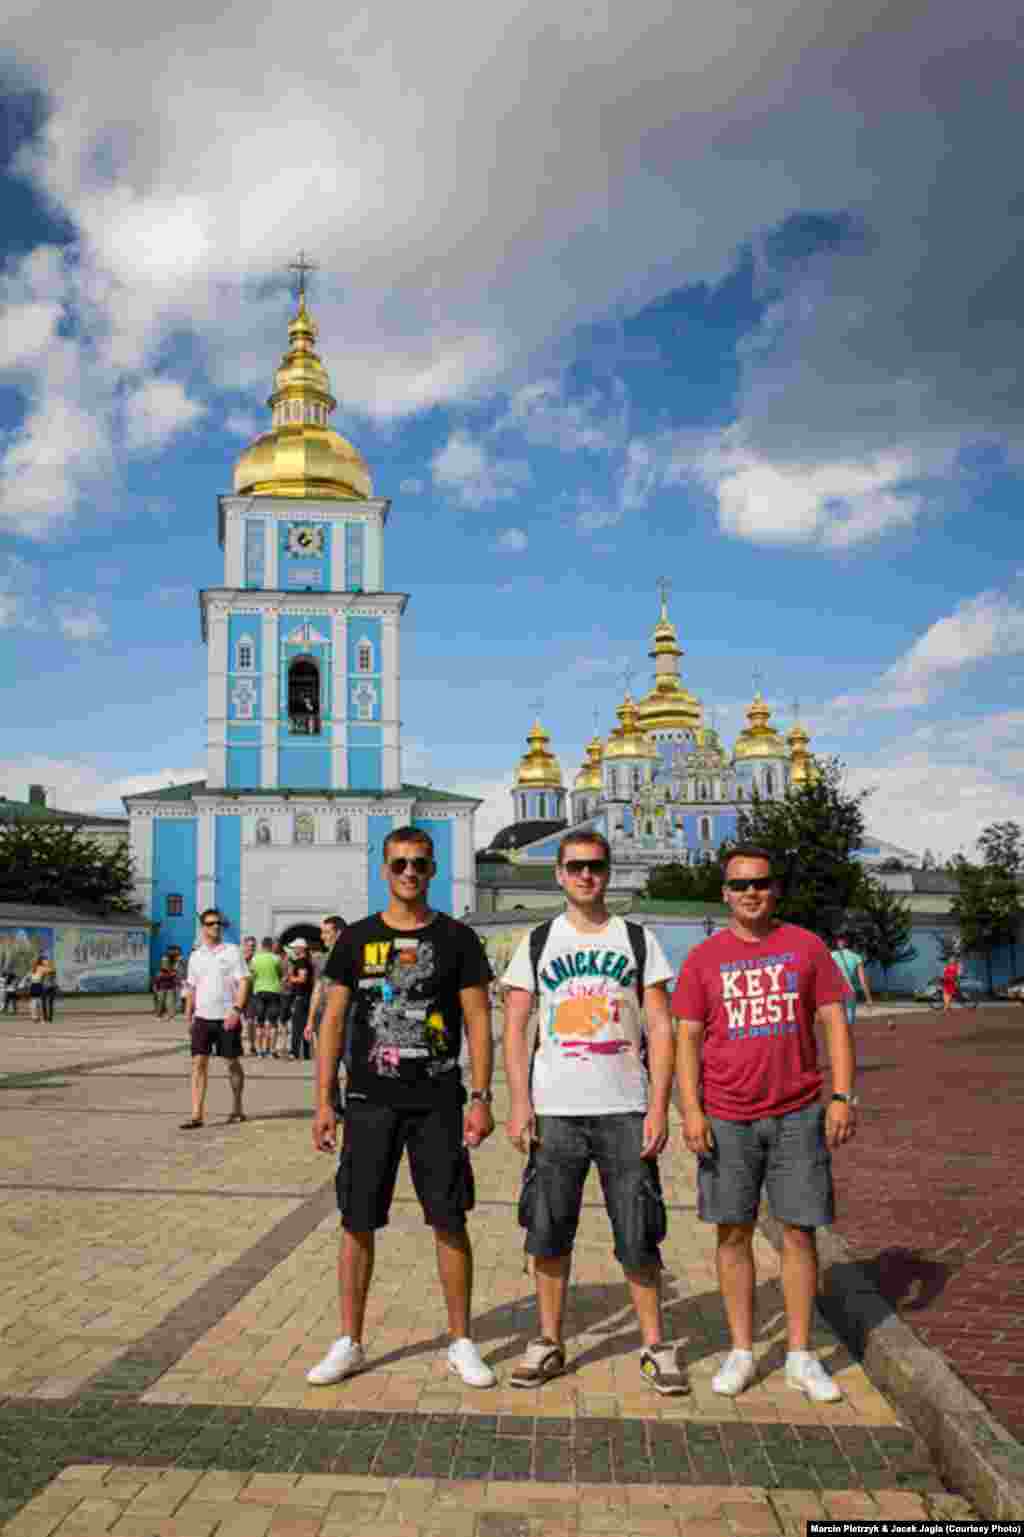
(960, 1001)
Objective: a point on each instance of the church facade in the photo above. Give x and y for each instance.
(303, 778)
(661, 786)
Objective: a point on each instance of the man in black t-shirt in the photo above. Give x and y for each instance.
(301, 979)
(401, 984)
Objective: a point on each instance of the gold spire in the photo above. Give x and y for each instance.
(589, 776)
(539, 768)
(301, 456)
(628, 739)
(759, 739)
(669, 706)
(802, 767)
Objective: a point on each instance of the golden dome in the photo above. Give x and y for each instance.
(759, 739)
(669, 706)
(301, 456)
(589, 776)
(539, 767)
(628, 739)
(802, 768)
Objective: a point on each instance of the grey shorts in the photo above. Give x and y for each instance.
(786, 1154)
(552, 1193)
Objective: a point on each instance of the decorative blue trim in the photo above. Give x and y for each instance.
(304, 767)
(243, 768)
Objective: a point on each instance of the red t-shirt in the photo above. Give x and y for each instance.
(951, 976)
(757, 1001)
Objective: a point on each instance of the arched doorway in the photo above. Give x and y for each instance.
(310, 932)
(304, 696)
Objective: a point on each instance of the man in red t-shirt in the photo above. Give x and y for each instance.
(950, 983)
(748, 1079)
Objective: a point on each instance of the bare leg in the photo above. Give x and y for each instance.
(552, 1285)
(237, 1077)
(645, 1289)
(799, 1282)
(735, 1260)
(455, 1271)
(355, 1272)
(200, 1077)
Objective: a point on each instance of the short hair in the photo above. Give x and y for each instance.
(334, 921)
(581, 835)
(747, 851)
(210, 912)
(267, 942)
(247, 938)
(409, 835)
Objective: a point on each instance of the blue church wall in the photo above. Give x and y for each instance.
(297, 572)
(377, 894)
(365, 758)
(355, 557)
(440, 829)
(174, 874)
(243, 768)
(227, 873)
(364, 687)
(304, 765)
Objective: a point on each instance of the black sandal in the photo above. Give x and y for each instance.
(192, 1125)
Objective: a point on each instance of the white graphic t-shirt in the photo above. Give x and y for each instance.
(590, 1030)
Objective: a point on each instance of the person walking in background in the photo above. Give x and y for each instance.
(165, 986)
(330, 931)
(248, 1016)
(36, 982)
(951, 974)
(749, 1085)
(10, 992)
(265, 968)
(49, 990)
(300, 978)
(851, 965)
(281, 1034)
(587, 1096)
(218, 986)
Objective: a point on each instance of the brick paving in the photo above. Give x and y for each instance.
(162, 1294)
(930, 1199)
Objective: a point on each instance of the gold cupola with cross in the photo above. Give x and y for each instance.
(803, 770)
(669, 706)
(759, 739)
(301, 455)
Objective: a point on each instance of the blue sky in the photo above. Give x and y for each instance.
(728, 297)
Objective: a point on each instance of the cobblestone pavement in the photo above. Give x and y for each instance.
(930, 1198)
(163, 1293)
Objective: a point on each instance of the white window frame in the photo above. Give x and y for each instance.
(364, 655)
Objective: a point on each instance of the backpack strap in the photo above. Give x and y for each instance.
(538, 939)
(638, 941)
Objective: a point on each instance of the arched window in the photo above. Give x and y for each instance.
(638, 778)
(649, 827)
(245, 653)
(175, 905)
(262, 832)
(705, 829)
(739, 792)
(304, 696)
(364, 656)
(613, 784)
(769, 782)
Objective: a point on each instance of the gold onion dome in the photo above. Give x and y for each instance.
(759, 739)
(539, 766)
(668, 706)
(301, 456)
(802, 767)
(589, 776)
(628, 739)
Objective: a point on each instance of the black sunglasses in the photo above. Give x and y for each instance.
(755, 883)
(213, 923)
(577, 866)
(419, 864)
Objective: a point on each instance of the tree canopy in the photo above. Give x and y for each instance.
(44, 864)
(880, 926)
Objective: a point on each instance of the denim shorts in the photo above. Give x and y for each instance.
(552, 1193)
(784, 1154)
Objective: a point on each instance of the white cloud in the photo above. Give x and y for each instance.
(155, 413)
(244, 424)
(465, 469)
(412, 486)
(979, 629)
(79, 621)
(541, 413)
(592, 515)
(18, 587)
(511, 541)
(74, 784)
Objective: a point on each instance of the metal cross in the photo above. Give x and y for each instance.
(758, 680)
(597, 720)
(796, 709)
(664, 587)
(302, 266)
(628, 674)
(537, 705)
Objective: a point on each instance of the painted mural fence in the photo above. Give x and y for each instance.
(89, 959)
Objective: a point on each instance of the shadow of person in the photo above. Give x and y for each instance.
(906, 1278)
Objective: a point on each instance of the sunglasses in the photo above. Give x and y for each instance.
(578, 866)
(755, 883)
(213, 923)
(420, 865)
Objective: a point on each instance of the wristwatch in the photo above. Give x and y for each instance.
(848, 1099)
(482, 1096)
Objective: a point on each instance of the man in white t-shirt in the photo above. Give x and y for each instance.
(596, 1091)
(217, 988)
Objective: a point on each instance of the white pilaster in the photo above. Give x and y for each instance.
(374, 549)
(216, 700)
(234, 549)
(339, 535)
(140, 838)
(270, 551)
(463, 865)
(268, 732)
(206, 866)
(339, 696)
(391, 766)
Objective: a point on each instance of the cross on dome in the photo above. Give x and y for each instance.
(303, 265)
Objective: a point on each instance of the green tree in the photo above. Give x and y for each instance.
(686, 883)
(1002, 851)
(47, 864)
(811, 835)
(986, 908)
(881, 926)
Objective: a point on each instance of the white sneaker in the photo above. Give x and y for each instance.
(343, 1359)
(464, 1358)
(807, 1373)
(736, 1372)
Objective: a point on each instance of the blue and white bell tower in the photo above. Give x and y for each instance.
(303, 773)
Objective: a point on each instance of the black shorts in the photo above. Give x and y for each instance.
(267, 1008)
(209, 1035)
(375, 1138)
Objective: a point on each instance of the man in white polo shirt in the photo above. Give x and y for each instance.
(217, 989)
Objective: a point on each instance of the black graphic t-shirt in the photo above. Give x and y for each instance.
(404, 1026)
